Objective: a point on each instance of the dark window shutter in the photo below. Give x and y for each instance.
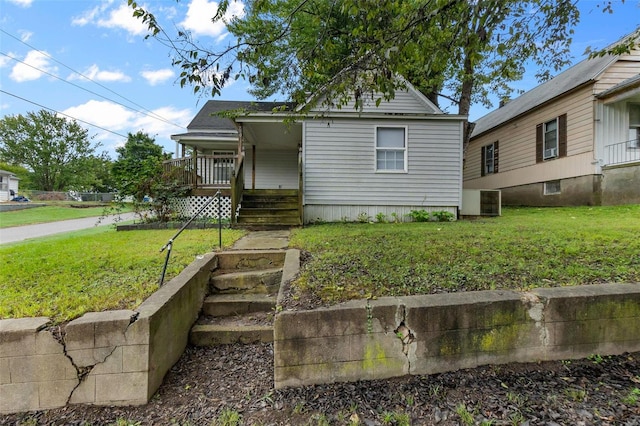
(539, 144)
(482, 162)
(562, 135)
(495, 157)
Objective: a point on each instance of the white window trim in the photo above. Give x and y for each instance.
(493, 156)
(375, 148)
(547, 184)
(544, 140)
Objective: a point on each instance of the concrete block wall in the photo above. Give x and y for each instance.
(436, 333)
(104, 358)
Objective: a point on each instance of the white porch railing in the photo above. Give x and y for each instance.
(203, 171)
(622, 152)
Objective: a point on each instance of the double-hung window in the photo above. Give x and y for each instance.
(391, 149)
(490, 159)
(550, 139)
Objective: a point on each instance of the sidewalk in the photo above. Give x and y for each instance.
(263, 240)
(25, 232)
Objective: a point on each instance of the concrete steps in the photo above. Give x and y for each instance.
(242, 299)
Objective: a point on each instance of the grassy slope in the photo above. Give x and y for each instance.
(49, 213)
(93, 270)
(526, 247)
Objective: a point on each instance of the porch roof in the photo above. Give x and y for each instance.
(626, 89)
(208, 119)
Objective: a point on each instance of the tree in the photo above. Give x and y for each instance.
(138, 172)
(463, 50)
(139, 162)
(53, 148)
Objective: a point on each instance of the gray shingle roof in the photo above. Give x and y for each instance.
(583, 72)
(206, 120)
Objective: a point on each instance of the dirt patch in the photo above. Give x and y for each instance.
(207, 381)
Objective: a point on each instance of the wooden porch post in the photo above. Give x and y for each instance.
(253, 167)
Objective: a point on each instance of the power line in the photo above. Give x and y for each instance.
(62, 113)
(148, 112)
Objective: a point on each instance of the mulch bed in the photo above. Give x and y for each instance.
(207, 381)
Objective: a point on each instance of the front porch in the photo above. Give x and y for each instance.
(260, 174)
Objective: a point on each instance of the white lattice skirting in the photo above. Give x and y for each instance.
(188, 206)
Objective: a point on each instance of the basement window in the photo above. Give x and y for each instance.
(552, 187)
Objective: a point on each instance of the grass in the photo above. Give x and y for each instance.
(49, 213)
(97, 269)
(523, 249)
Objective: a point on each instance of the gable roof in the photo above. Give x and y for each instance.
(207, 118)
(586, 71)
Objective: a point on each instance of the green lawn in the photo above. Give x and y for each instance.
(525, 248)
(98, 269)
(48, 213)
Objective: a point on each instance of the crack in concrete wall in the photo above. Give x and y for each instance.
(536, 311)
(404, 333)
(83, 371)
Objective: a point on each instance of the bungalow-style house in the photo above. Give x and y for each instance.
(573, 140)
(331, 165)
(8, 185)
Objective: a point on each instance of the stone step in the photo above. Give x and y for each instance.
(248, 260)
(223, 305)
(269, 192)
(227, 333)
(284, 212)
(269, 220)
(264, 281)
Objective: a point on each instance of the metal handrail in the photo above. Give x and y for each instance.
(169, 244)
(622, 152)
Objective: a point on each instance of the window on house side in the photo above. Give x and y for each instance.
(391, 149)
(634, 126)
(552, 187)
(490, 159)
(550, 148)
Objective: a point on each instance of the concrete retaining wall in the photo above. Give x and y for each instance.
(430, 334)
(621, 184)
(102, 358)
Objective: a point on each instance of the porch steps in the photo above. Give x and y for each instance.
(269, 208)
(242, 299)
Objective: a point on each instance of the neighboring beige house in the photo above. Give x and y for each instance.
(573, 140)
(8, 185)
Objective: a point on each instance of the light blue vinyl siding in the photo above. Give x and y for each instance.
(340, 168)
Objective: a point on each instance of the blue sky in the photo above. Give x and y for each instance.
(46, 44)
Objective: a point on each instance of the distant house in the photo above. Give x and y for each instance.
(573, 140)
(332, 165)
(8, 185)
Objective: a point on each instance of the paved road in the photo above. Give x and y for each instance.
(20, 233)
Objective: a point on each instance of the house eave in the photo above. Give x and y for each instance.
(536, 108)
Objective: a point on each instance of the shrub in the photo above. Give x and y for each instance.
(419, 215)
(443, 216)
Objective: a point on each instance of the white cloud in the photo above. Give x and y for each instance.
(4, 60)
(120, 17)
(158, 76)
(33, 66)
(162, 129)
(25, 36)
(123, 18)
(21, 3)
(105, 114)
(121, 120)
(200, 13)
(94, 73)
(89, 16)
